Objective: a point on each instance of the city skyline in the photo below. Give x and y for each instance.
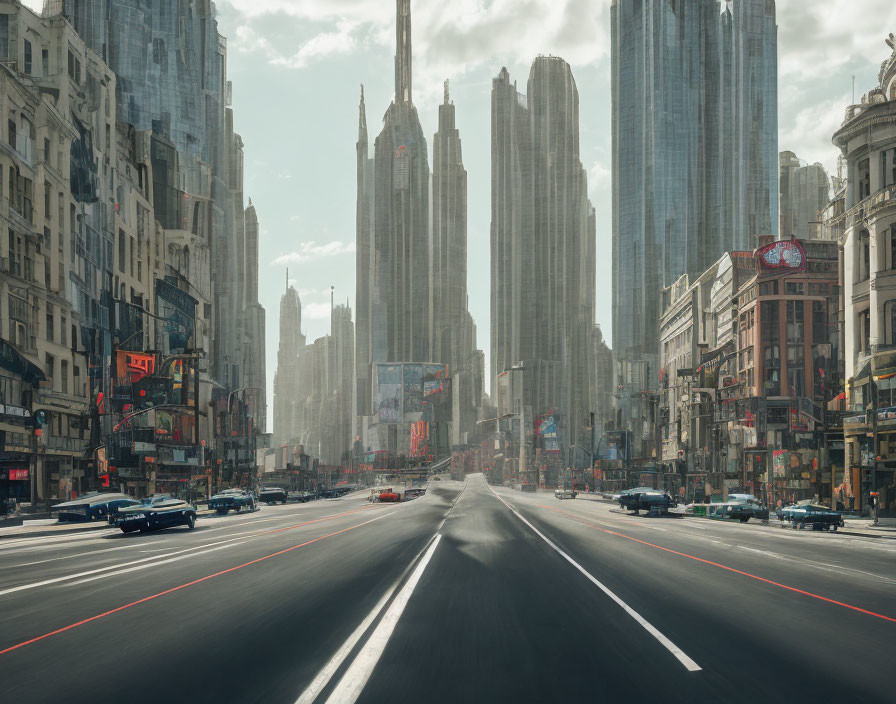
(308, 223)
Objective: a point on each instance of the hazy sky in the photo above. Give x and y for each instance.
(297, 65)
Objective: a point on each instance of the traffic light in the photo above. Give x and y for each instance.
(39, 418)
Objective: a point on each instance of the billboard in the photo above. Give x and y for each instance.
(413, 388)
(133, 366)
(436, 392)
(390, 388)
(420, 439)
(177, 310)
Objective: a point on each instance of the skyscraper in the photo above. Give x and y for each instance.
(694, 120)
(543, 245)
(253, 362)
(804, 191)
(453, 335)
(286, 378)
(401, 249)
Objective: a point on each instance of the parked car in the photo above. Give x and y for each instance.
(815, 516)
(155, 513)
(232, 500)
(273, 494)
(94, 506)
(645, 499)
(743, 507)
(300, 496)
(413, 493)
(389, 496)
(565, 493)
(530, 488)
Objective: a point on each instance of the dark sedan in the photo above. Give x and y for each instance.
(155, 513)
(94, 506)
(641, 499)
(272, 494)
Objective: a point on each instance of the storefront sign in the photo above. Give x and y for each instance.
(18, 475)
(782, 255)
(16, 411)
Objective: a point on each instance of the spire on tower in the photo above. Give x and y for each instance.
(446, 92)
(403, 52)
(362, 118)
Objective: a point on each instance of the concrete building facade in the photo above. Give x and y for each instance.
(695, 157)
(542, 248)
(803, 194)
(867, 141)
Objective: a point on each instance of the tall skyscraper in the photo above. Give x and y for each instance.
(402, 252)
(804, 191)
(286, 378)
(694, 121)
(453, 333)
(253, 326)
(364, 265)
(543, 246)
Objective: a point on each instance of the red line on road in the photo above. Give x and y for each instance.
(724, 567)
(178, 588)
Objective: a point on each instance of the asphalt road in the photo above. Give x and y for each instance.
(468, 594)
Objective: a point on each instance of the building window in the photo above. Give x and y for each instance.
(50, 326)
(794, 288)
(796, 372)
(772, 370)
(866, 258)
(27, 58)
(122, 250)
(768, 288)
(63, 373)
(864, 329)
(45, 62)
(795, 326)
(863, 179)
(819, 323)
(770, 321)
(51, 367)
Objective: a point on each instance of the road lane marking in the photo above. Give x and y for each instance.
(679, 654)
(727, 568)
(154, 564)
(188, 584)
(355, 679)
(109, 568)
(320, 682)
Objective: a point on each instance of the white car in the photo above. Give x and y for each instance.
(565, 493)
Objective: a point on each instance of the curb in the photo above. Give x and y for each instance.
(50, 534)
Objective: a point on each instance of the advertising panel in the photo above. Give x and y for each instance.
(133, 366)
(420, 438)
(413, 388)
(390, 388)
(178, 311)
(547, 429)
(436, 392)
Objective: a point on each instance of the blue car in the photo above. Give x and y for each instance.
(155, 513)
(805, 514)
(232, 500)
(93, 506)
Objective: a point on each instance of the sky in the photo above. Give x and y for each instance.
(297, 67)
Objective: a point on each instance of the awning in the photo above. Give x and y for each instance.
(12, 361)
(863, 376)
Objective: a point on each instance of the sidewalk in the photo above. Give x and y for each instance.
(45, 527)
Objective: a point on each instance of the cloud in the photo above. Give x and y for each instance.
(315, 311)
(598, 179)
(312, 251)
(450, 39)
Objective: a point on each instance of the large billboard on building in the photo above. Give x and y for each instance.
(420, 439)
(413, 388)
(390, 389)
(436, 392)
(177, 311)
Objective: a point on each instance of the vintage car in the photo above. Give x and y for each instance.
(273, 494)
(155, 513)
(232, 500)
(805, 514)
(385, 496)
(529, 488)
(301, 496)
(646, 499)
(413, 493)
(565, 493)
(94, 506)
(743, 507)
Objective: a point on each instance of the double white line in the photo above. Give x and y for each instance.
(355, 678)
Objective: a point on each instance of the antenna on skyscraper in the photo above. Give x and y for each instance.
(287, 278)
